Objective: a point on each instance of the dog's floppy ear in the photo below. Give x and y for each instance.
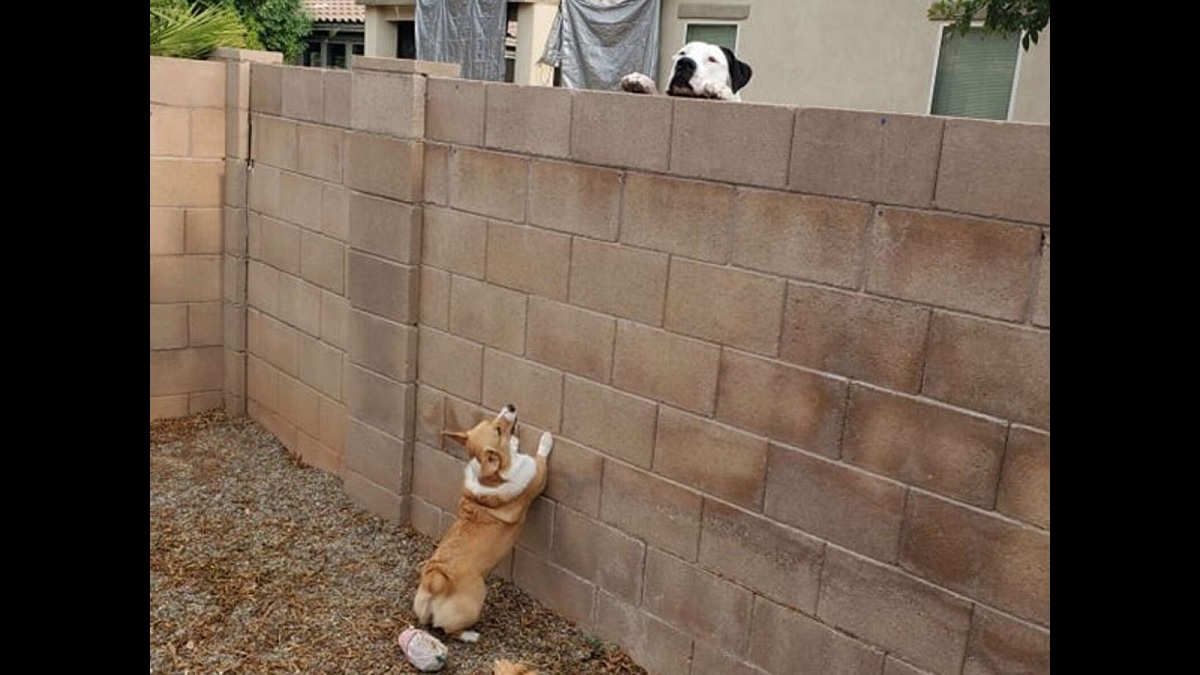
(739, 73)
(460, 436)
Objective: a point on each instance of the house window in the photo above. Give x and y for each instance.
(406, 40)
(312, 53)
(328, 48)
(511, 24)
(975, 74)
(335, 55)
(723, 34)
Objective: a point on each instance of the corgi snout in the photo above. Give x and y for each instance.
(508, 416)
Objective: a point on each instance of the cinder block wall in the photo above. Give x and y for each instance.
(334, 241)
(797, 360)
(187, 149)
(297, 222)
(235, 262)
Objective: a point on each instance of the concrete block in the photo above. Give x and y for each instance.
(532, 120)
(725, 305)
(488, 183)
(979, 266)
(995, 169)
(993, 368)
(575, 198)
(784, 403)
(454, 111)
(875, 157)
(844, 505)
(528, 259)
(746, 143)
(809, 238)
(683, 217)
(667, 367)
(890, 609)
(711, 457)
(618, 280)
(385, 228)
(616, 129)
(858, 336)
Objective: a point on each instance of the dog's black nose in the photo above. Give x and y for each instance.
(681, 79)
(510, 407)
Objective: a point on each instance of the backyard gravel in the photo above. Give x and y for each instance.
(259, 564)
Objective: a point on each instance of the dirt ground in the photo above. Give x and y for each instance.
(259, 564)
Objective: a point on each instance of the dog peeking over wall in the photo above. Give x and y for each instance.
(698, 70)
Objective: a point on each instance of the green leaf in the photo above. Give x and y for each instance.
(192, 31)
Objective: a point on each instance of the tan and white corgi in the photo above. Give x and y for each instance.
(499, 484)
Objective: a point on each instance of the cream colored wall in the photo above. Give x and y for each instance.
(866, 54)
(1033, 83)
(534, 21)
(187, 173)
(380, 27)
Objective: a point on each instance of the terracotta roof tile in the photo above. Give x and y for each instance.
(335, 10)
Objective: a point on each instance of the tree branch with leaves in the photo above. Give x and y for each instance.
(1026, 17)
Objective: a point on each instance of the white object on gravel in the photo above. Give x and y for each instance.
(422, 650)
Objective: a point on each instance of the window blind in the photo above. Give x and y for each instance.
(723, 34)
(975, 75)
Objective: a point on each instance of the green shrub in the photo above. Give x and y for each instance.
(191, 31)
(274, 25)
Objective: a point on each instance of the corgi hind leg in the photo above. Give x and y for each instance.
(423, 607)
(461, 611)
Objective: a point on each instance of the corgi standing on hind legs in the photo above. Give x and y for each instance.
(499, 484)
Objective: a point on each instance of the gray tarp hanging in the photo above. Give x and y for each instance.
(466, 32)
(597, 42)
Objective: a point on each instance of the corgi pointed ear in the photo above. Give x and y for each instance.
(460, 436)
(489, 463)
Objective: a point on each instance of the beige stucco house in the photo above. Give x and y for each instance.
(868, 54)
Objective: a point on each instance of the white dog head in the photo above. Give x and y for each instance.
(705, 70)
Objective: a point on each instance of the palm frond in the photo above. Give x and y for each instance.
(191, 31)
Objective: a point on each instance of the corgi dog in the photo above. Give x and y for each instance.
(499, 484)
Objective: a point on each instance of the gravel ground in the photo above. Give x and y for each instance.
(259, 564)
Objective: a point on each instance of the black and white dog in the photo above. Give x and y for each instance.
(700, 70)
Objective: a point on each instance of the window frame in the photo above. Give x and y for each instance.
(937, 59)
(737, 32)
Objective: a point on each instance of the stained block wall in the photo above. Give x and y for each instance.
(187, 150)
(796, 360)
(334, 240)
(297, 248)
